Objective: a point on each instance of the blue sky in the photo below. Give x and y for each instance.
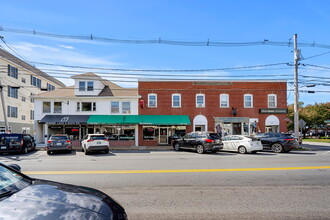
(182, 20)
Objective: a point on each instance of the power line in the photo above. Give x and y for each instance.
(206, 43)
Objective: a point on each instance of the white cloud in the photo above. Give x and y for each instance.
(67, 47)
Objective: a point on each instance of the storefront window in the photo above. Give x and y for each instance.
(150, 133)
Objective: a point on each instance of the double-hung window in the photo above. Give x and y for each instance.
(90, 86)
(82, 86)
(115, 107)
(126, 107)
(46, 107)
(12, 71)
(200, 100)
(13, 92)
(152, 100)
(57, 107)
(248, 101)
(176, 100)
(12, 112)
(224, 101)
(272, 101)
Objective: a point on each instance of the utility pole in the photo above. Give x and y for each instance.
(4, 108)
(296, 94)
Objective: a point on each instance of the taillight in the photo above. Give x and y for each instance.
(106, 139)
(89, 140)
(49, 142)
(21, 142)
(291, 139)
(68, 141)
(209, 141)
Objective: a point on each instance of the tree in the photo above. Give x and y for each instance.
(313, 115)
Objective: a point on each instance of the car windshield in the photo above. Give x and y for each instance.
(59, 138)
(11, 181)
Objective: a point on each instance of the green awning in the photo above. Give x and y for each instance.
(158, 119)
(140, 119)
(106, 119)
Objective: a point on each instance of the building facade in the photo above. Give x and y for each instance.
(19, 81)
(241, 107)
(91, 105)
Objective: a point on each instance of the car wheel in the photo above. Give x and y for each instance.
(86, 152)
(106, 151)
(176, 146)
(82, 149)
(200, 149)
(242, 150)
(277, 148)
(49, 152)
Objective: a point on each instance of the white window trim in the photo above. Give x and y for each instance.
(176, 94)
(122, 109)
(152, 94)
(275, 100)
(227, 100)
(251, 101)
(203, 105)
(115, 113)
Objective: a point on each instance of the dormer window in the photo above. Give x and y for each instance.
(83, 84)
(90, 86)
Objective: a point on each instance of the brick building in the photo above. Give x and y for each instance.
(227, 106)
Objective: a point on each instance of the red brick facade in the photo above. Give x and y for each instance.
(235, 89)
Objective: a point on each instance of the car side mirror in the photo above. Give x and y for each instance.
(15, 167)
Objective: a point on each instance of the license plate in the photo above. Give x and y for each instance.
(217, 141)
(58, 144)
(99, 142)
(2, 148)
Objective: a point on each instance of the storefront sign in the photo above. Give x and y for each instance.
(231, 119)
(273, 111)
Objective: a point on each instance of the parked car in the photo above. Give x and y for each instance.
(278, 142)
(59, 142)
(241, 144)
(95, 142)
(22, 197)
(16, 143)
(199, 141)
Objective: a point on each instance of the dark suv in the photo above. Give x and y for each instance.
(278, 142)
(199, 141)
(16, 143)
(59, 142)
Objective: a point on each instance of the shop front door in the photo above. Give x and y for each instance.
(163, 137)
(237, 128)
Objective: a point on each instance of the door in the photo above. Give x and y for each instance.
(163, 137)
(237, 128)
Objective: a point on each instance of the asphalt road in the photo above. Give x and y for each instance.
(186, 185)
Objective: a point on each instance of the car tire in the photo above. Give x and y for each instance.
(49, 152)
(176, 146)
(242, 150)
(200, 149)
(106, 152)
(86, 152)
(277, 148)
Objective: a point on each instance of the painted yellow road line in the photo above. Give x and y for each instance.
(171, 171)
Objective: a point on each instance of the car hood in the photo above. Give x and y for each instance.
(51, 200)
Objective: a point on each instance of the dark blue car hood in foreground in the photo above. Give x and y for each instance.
(51, 200)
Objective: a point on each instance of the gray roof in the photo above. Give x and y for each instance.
(23, 64)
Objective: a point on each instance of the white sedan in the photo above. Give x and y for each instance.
(241, 144)
(95, 142)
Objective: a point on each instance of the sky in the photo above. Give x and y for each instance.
(233, 21)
